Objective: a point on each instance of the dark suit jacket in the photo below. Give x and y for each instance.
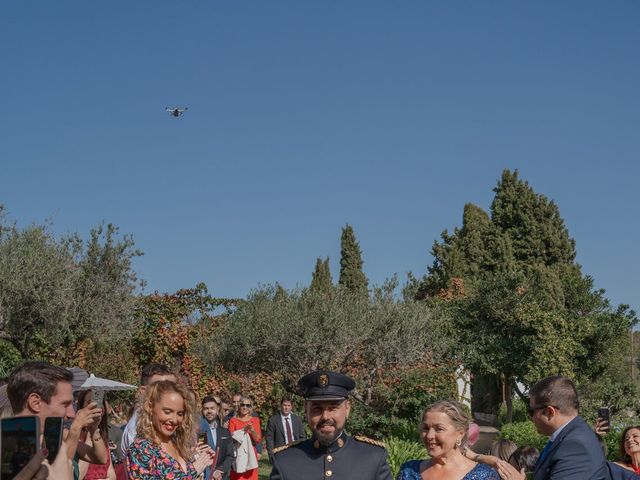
(619, 473)
(574, 455)
(224, 449)
(275, 435)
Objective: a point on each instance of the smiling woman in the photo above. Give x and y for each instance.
(630, 449)
(443, 429)
(164, 447)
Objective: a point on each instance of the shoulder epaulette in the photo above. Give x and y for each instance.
(284, 447)
(370, 441)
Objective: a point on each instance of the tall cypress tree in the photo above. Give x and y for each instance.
(321, 280)
(351, 275)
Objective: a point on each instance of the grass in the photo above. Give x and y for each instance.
(264, 469)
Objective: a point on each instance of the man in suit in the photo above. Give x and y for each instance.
(284, 427)
(573, 451)
(218, 438)
(330, 453)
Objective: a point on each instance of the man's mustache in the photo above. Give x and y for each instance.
(326, 423)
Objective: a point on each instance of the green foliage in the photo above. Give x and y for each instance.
(352, 276)
(519, 412)
(321, 280)
(521, 305)
(10, 358)
(400, 451)
(523, 434)
(63, 299)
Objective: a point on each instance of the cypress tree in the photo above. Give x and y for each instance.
(321, 279)
(351, 275)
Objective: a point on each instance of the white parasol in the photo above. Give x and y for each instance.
(97, 383)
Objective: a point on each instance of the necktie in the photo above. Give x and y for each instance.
(289, 434)
(544, 452)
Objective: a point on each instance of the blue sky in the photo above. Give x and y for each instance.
(306, 115)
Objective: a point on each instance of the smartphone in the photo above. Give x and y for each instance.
(603, 413)
(52, 438)
(19, 442)
(202, 438)
(97, 397)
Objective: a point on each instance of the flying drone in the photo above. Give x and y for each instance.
(176, 112)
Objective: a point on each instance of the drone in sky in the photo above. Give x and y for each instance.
(176, 111)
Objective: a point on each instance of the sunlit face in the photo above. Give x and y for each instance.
(210, 411)
(439, 434)
(60, 404)
(236, 402)
(225, 408)
(632, 441)
(540, 417)
(245, 407)
(168, 415)
(285, 407)
(327, 418)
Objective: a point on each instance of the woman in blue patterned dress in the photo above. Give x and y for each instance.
(443, 429)
(164, 447)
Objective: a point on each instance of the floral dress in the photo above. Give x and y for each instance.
(411, 471)
(147, 461)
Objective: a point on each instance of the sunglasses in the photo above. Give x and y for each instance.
(248, 405)
(532, 410)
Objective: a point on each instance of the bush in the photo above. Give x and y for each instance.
(519, 412)
(523, 434)
(10, 358)
(400, 451)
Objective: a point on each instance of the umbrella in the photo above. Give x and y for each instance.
(97, 383)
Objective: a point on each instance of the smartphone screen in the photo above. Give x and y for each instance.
(20, 442)
(202, 438)
(603, 413)
(53, 436)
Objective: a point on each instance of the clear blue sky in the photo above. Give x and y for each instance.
(306, 115)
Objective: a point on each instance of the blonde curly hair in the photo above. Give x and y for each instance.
(184, 435)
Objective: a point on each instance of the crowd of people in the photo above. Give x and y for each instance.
(169, 434)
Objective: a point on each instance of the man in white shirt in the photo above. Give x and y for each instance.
(284, 427)
(154, 372)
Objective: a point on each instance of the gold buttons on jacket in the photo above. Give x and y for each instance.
(328, 473)
(329, 458)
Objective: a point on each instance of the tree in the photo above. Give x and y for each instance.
(63, 299)
(321, 280)
(522, 307)
(352, 276)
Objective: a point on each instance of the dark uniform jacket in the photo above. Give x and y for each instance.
(574, 455)
(353, 458)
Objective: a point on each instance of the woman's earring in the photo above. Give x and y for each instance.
(458, 443)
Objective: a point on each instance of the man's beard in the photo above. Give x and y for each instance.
(327, 439)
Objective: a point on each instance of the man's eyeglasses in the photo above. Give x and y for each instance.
(248, 405)
(532, 410)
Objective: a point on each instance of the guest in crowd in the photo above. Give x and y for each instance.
(92, 471)
(443, 429)
(524, 458)
(244, 420)
(501, 449)
(151, 373)
(164, 446)
(284, 428)
(218, 438)
(630, 449)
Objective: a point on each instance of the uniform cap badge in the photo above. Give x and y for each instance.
(323, 380)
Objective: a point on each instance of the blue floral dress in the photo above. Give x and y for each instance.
(411, 471)
(147, 461)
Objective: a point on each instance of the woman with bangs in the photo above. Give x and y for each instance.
(165, 447)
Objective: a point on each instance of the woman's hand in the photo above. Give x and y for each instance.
(87, 417)
(203, 458)
(509, 472)
(601, 427)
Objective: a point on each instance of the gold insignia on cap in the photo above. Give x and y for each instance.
(323, 380)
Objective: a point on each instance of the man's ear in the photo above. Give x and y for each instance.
(348, 407)
(34, 403)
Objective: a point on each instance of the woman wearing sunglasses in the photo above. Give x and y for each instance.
(251, 425)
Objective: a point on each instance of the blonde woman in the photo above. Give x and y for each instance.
(164, 446)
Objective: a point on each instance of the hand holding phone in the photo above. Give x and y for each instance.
(20, 440)
(603, 421)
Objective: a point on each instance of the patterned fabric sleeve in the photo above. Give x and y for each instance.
(141, 461)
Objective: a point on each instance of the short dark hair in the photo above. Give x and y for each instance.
(286, 398)
(210, 398)
(557, 391)
(524, 457)
(152, 369)
(34, 377)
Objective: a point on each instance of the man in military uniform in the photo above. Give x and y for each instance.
(330, 453)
